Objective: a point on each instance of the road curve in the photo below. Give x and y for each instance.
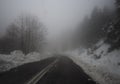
(54, 70)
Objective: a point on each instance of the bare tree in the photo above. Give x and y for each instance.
(27, 32)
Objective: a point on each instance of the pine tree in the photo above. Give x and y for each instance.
(113, 30)
(92, 28)
(118, 6)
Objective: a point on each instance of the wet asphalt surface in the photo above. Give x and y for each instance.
(65, 71)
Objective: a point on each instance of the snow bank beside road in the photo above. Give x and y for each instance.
(17, 58)
(104, 69)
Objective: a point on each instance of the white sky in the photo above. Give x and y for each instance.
(57, 15)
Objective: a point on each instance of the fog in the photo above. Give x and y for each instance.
(71, 37)
(56, 15)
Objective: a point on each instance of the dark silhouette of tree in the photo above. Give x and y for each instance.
(92, 28)
(31, 33)
(113, 30)
(26, 34)
(10, 41)
(118, 7)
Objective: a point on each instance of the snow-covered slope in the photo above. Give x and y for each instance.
(17, 58)
(102, 66)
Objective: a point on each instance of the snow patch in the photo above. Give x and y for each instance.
(17, 58)
(105, 69)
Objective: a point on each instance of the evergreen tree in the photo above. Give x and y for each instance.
(113, 31)
(92, 28)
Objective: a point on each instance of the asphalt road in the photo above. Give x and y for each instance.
(54, 70)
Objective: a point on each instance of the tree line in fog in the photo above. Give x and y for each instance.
(25, 34)
(101, 24)
(28, 34)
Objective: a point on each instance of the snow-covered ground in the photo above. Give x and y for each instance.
(17, 58)
(102, 66)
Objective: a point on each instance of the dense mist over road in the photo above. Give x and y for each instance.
(60, 41)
